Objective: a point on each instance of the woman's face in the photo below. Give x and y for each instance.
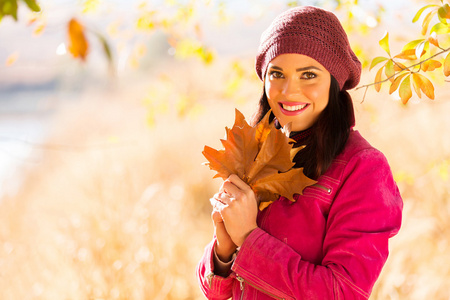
(297, 87)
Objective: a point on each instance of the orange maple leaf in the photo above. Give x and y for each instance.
(262, 157)
(78, 44)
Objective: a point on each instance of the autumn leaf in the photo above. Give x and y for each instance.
(394, 86)
(260, 156)
(11, 59)
(447, 65)
(431, 65)
(78, 44)
(416, 84)
(389, 70)
(378, 79)
(425, 85)
(376, 61)
(384, 43)
(405, 90)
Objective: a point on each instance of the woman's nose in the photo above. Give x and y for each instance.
(291, 88)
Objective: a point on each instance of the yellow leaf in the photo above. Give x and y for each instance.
(384, 43)
(405, 90)
(78, 44)
(420, 11)
(431, 65)
(412, 44)
(416, 84)
(376, 61)
(395, 84)
(426, 86)
(408, 54)
(447, 65)
(427, 20)
(378, 79)
(420, 50)
(399, 67)
(389, 70)
(433, 41)
(11, 59)
(90, 6)
(39, 29)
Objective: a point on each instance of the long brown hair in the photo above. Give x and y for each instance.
(329, 133)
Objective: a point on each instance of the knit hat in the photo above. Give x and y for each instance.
(313, 32)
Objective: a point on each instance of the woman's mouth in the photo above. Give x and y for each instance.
(291, 108)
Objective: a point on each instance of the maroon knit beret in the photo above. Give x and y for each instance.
(313, 32)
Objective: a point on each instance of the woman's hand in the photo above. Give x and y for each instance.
(224, 247)
(238, 208)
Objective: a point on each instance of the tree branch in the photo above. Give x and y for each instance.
(402, 70)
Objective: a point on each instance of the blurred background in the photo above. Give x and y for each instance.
(102, 190)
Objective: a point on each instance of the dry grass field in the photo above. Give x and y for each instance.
(117, 207)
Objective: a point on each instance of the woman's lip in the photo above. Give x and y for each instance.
(295, 112)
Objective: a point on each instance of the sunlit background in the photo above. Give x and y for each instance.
(102, 190)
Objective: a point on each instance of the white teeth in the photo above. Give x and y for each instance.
(294, 107)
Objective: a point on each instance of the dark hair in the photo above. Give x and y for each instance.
(329, 133)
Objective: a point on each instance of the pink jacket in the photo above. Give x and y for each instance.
(330, 244)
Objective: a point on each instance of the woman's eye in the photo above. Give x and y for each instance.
(275, 74)
(309, 75)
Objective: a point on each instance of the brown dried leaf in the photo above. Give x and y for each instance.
(285, 184)
(261, 156)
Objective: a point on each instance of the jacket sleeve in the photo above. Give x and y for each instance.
(365, 213)
(213, 286)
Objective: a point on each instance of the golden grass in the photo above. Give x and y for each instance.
(123, 212)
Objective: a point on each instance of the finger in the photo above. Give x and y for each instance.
(231, 189)
(225, 198)
(238, 182)
(216, 216)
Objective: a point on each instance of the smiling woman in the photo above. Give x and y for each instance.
(297, 88)
(332, 241)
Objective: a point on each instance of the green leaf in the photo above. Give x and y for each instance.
(384, 43)
(106, 47)
(412, 44)
(444, 11)
(376, 61)
(8, 7)
(32, 5)
(441, 15)
(420, 11)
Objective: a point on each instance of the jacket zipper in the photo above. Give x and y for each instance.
(209, 277)
(242, 281)
(324, 188)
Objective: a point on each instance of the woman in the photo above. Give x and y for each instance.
(332, 242)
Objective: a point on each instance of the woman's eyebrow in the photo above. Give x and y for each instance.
(299, 69)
